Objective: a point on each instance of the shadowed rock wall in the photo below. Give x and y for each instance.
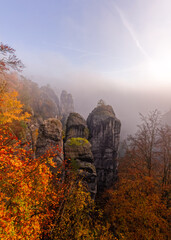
(104, 132)
(50, 135)
(78, 149)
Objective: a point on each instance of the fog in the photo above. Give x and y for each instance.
(87, 88)
(116, 50)
(127, 103)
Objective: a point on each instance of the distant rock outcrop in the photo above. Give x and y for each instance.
(45, 107)
(104, 132)
(66, 105)
(78, 149)
(52, 95)
(43, 101)
(50, 135)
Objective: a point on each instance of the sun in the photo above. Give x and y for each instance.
(160, 69)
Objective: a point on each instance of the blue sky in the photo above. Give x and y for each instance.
(117, 39)
(102, 45)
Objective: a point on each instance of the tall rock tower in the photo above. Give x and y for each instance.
(104, 133)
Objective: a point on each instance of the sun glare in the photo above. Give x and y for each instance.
(160, 69)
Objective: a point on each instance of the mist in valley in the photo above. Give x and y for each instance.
(116, 50)
(127, 101)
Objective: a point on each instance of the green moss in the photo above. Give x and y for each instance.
(77, 141)
(86, 132)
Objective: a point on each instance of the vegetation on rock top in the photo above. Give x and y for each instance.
(77, 141)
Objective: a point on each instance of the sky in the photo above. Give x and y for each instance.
(118, 50)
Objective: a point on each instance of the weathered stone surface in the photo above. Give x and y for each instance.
(76, 126)
(88, 172)
(79, 149)
(50, 135)
(104, 132)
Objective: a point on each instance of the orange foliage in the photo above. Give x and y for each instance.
(28, 197)
(136, 210)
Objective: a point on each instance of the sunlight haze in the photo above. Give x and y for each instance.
(119, 50)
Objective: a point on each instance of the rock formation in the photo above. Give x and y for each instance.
(66, 105)
(45, 107)
(52, 95)
(78, 149)
(76, 126)
(50, 135)
(44, 102)
(92, 147)
(104, 131)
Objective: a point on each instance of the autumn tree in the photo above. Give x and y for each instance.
(11, 108)
(38, 204)
(101, 102)
(8, 59)
(165, 154)
(28, 197)
(77, 218)
(144, 143)
(135, 210)
(138, 206)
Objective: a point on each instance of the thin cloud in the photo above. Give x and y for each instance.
(129, 28)
(86, 53)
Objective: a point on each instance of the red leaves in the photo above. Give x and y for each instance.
(5, 48)
(9, 59)
(27, 192)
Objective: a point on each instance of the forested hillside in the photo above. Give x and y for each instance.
(46, 194)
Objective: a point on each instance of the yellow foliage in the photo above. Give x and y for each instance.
(11, 108)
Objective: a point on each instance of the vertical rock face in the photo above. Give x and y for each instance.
(50, 135)
(104, 130)
(66, 105)
(76, 126)
(78, 149)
